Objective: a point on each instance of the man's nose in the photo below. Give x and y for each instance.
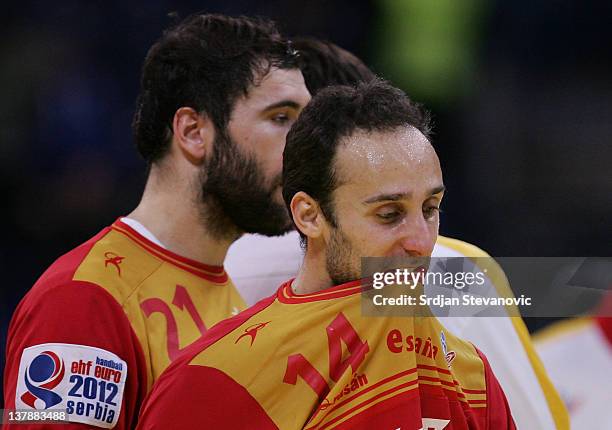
(415, 237)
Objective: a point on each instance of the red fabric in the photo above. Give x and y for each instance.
(286, 295)
(605, 324)
(498, 410)
(414, 410)
(215, 401)
(604, 320)
(60, 310)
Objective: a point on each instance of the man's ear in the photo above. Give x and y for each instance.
(193, 133)
(307, 215)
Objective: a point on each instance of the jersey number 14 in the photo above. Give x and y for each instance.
(339, 330)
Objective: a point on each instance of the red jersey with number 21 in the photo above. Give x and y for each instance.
(103, 322)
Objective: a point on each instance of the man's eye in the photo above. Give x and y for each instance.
(280, 118)
(388, 216)
(431, 211)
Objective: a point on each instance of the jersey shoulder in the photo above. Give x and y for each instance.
(111, 260)
(81, 330)
(118, 262)
(221, 331)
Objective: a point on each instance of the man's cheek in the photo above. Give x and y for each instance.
(363, 248)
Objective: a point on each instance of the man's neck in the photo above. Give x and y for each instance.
(174, 218)
(312, 276)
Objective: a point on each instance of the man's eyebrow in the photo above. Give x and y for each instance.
(283, 103)
(437, 190)
(394, 197)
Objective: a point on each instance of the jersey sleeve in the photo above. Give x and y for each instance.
(70, 346)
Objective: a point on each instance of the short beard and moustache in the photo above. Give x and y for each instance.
(235, 200)
(235, 196)
(338, 258)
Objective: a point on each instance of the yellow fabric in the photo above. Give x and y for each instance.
(180, 303)
(287, 329)
(561, 328)
(556, 405)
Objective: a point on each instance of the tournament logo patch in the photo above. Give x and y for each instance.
(43, 374)
(87, 382)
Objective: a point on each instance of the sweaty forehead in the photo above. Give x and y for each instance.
(381, 152)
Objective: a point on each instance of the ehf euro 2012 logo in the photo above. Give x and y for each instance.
(42, 375)
(86, 381)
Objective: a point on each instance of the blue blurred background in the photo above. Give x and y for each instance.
(521, 93)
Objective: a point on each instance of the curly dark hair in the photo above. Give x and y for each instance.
(323, 64)
(334, 113)
(205, 62)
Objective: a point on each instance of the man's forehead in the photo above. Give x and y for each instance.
(279, 84)
(370, 163)
(404, 145)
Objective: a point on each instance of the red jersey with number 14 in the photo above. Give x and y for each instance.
(315, 362)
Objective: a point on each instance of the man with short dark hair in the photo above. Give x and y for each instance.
(505, 340)
(218, 97)
(360, 178)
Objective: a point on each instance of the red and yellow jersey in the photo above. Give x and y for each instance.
(315, 362)
(104, 321)
(506, 342)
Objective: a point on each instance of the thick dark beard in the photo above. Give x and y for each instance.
(235, 196)
(338, 258)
